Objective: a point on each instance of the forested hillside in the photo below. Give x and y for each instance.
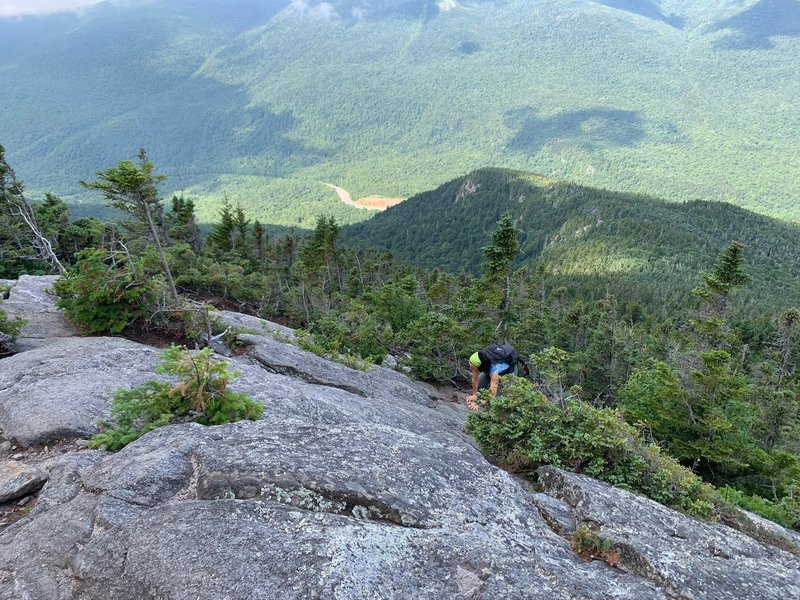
(264, 102)
(643, 249)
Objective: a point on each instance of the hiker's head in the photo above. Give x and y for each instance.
(479, 360)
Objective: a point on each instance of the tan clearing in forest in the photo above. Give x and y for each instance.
(373, 202)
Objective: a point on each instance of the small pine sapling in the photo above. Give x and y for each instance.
(201, 395)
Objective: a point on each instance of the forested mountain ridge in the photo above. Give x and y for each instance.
(644, 249)
(266, 102)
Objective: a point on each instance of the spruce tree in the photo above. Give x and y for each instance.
(500, 254)
(220, 240)
(183, 224)
(133, 189)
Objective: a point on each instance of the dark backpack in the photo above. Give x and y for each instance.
(503, 353)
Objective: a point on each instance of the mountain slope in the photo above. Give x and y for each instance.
(359, 485)
(268, 101)
(642, 249)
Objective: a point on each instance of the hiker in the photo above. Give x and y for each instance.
(487, 365)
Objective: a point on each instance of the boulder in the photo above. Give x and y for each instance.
(385, 390)
(287, 397)
(62, 389)
(18, 480)
(241, 323)
(688, 558)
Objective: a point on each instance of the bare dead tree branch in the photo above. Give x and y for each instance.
(15, 203)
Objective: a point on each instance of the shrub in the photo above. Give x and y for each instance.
(103, 294)
(590, 546)
(522, 430)
(323, 346)
(201, 395)
(786, 511)
(9, 331)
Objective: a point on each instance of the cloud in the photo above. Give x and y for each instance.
(298, 6)
(21, 8)
(323, 10)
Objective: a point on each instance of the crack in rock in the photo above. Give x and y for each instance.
(295, 374)
(338, 502)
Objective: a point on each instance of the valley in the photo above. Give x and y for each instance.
(677, 100)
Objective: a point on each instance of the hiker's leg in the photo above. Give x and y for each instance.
(483, 381)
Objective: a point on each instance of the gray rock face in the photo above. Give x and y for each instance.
(773, 533)
(62, 389)
(31, 298)
(702, 561)
(376, 382)
(313, 511)
(559, 515)
(17, 480)
(382, 391)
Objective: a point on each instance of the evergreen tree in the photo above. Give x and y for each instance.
(133, 189)
(260, 240)
(241, 223)
(727, 275)
(182, 224)
(500, 254)
(221, 238)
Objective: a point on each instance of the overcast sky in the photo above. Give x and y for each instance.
(16, 8)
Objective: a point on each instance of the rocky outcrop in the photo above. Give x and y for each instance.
(31, 298)
(315, 511)
(354, 484)
(665, 546)
(62, 389)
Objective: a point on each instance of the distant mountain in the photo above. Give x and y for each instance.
(267, 101)
(641, 249)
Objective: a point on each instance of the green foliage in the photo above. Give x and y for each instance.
(182, 223)
(328, 348)
(552, 364)
(523, 430)
(438, 342)
(503, 249)
(9, 331)
(130, 187)
(728, 274)
(105, 293)
(786, 512)
(133, 189)
(201, 395)
(221, 239)
(704, 424)
(500, 254)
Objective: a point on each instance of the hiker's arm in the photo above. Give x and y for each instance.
(474, 397)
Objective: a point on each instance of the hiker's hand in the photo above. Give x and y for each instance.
(471, 402)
